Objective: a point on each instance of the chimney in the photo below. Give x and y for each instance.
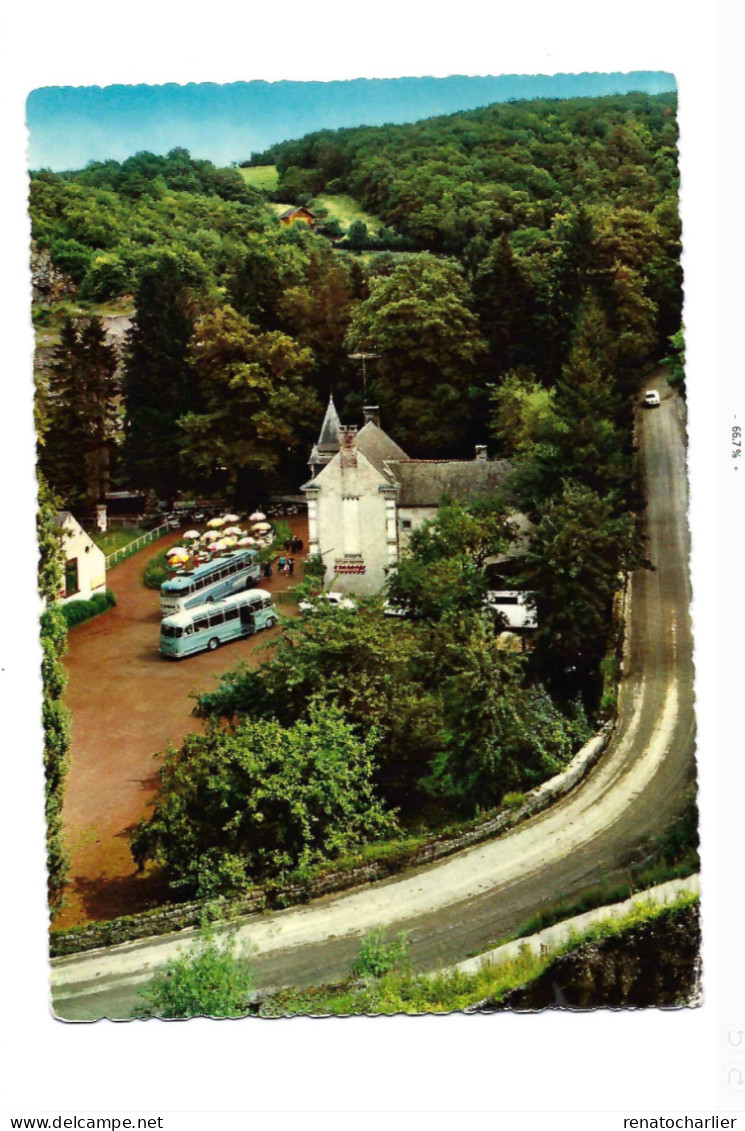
(480, 451)
(347, 435)
(371, 412)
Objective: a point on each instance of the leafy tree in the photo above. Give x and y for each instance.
(442, 570)
(81, 415)
(577, 552)
(676, 360)
(365, 663)
(317, 310)
(523, 414)
(210, 978)
(258, 800)
(256, 283)
(357, 235)
(419, 322)
(502, 733)
(256, 407)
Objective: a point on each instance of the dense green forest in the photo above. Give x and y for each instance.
(524, 278)
(522, 215)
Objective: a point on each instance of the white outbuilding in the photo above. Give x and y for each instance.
(85, 564)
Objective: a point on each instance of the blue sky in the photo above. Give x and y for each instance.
(70, 126)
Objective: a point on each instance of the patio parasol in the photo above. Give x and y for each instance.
(257, 516)
(262, 527)
(230, 517)
(191, 534)
(215, 522)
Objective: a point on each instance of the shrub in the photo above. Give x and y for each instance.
(207, 980)
(513, 800)
(259, 800)
(75, 612)
(156, 571)
(378, 957)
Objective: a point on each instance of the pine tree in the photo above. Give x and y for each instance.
(80, 413)
(505, 305)
(158, 383)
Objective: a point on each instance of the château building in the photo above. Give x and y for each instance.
(366, 497)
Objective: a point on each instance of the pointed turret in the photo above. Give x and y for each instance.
(329, 440)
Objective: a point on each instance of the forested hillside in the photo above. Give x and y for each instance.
(520, 215)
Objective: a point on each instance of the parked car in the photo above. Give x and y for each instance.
(330, 600)
(514, 606)
(391, 610)
(652, 398)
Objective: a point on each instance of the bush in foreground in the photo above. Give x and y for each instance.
(258, 800)
(75, 612)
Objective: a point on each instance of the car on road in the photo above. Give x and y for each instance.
(329, 600)
(651, 399)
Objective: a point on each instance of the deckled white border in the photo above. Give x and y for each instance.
(555, 1063)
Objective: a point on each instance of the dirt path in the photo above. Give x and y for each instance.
(127, 704)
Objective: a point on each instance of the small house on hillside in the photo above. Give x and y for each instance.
(85, 564)
(292, 215)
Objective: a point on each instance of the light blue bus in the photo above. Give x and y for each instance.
(210, 582)
(209, 626)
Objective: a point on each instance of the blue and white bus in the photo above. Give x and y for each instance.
(210, 582)
(209, 626)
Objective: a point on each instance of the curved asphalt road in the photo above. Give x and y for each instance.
(465, 904)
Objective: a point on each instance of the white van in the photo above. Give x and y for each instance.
(518, 608)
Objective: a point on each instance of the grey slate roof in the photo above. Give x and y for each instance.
(424, 482)
(377, 446)
(328, 440)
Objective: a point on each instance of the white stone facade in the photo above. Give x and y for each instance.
(367, 497)
(85, 564)
(352, 525)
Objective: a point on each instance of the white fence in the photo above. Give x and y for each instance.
(132, 547)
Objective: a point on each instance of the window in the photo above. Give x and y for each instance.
(406, 524)
(216, 618)
(201, 624)
(71, 577)
(231, 614)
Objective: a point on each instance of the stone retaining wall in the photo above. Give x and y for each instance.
(178, 917)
